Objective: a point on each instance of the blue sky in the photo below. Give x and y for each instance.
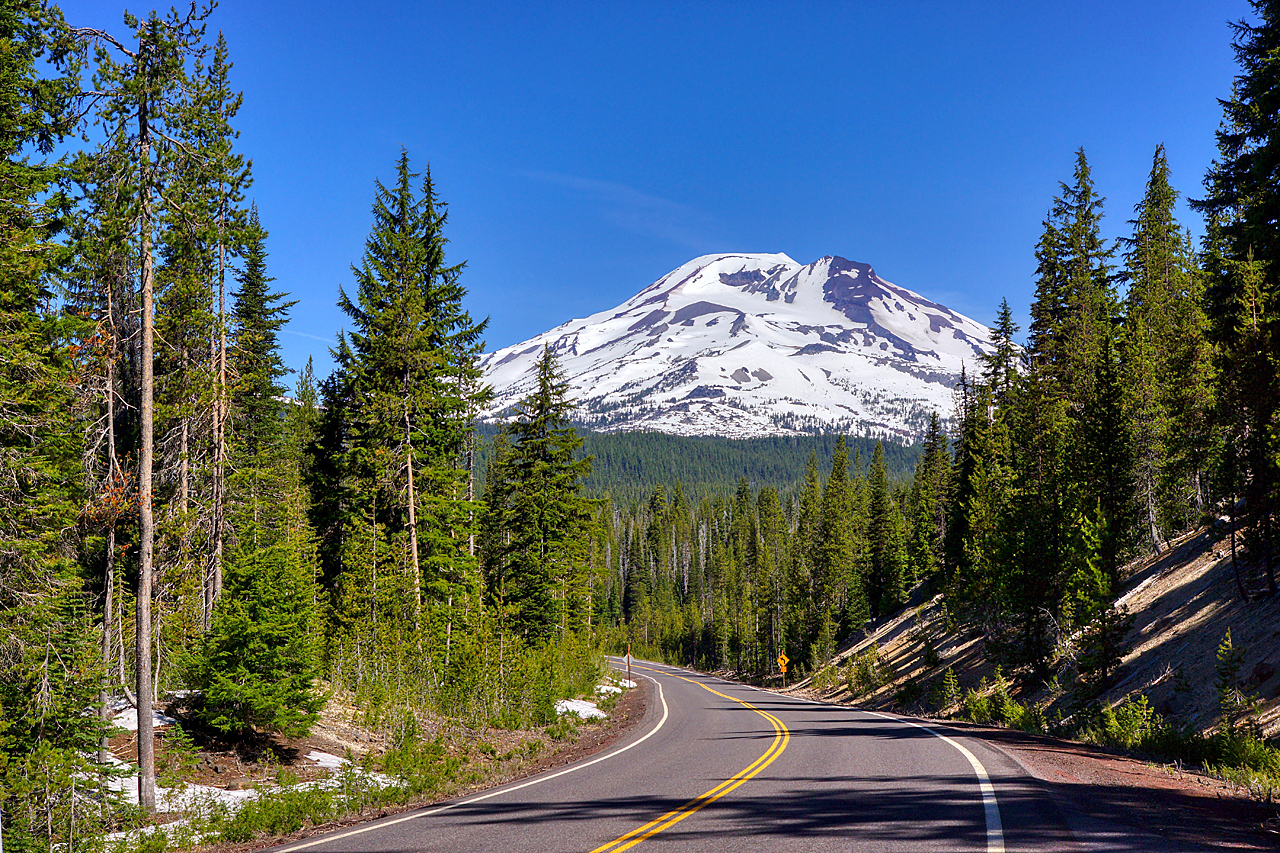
(586, 149)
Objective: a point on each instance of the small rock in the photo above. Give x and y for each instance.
(1261, 672)
(236, 785)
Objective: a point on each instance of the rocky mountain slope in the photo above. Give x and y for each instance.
(744, 345)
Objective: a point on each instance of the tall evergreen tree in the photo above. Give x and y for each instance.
(257, 315)
(544, 519)
(886, 581)
(1104, 453)
(1075, 299)
(141, 111)
(928, 503)
(1163, 358)
(1242, 202)
(804, 616)
(49, 667)
(409, 383)
(1000, 368)
(839, 588)
(976, 502)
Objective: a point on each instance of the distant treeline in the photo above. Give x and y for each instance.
(627, 466)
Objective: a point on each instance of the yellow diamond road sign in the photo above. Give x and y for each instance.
(783, 660)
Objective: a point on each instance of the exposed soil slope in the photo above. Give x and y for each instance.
(1182, 602)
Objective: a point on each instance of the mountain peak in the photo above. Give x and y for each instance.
(743, 344)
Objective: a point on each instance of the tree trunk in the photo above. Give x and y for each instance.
(1153, 529)
(413, 513)
(108, 601)
(220, 415)
(146, 522)
(104, 694)
(471, 490)
(1235, 566)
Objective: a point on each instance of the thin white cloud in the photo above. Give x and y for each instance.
(638, 211)
(332, 339)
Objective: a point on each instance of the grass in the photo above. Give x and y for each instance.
(412, 770)
(1234, 752)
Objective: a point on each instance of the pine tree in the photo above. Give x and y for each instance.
(928, 503)
(545, 519)
(1105, 455)
(770, 574)
(885, 584)
(221, 175)
(838, 586)
(1075, 298)
(257, 315)
(141, 116)
(1163, 358)
(1242, 207)
(493, 537)
(1000, 368)
(409, 389)
(803, 622)
(259, 661)
(49, 667)
(976, 503)
(1037, 542)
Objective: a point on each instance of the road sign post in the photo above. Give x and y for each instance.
(629, 682)
(783, 660)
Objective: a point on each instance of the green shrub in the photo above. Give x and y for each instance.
(976, 706)
(284, 811)
(176, 761)
(1244, 748)
(564, 728)
(259, 661)
(607, 701)
(950, 694)
(865, 672)
(908, 695)
(419, 767)
(931, 658)
(825, 678)
(155, 841)
(1003, 708)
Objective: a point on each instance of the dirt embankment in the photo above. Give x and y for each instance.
(489, 758)
(1182, 603)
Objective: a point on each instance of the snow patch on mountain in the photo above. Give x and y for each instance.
(745, 345)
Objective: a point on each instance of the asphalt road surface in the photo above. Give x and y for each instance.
(718, 766)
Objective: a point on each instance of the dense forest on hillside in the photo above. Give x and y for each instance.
(171, 520)
(626, 466)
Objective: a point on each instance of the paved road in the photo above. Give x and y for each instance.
(717, 766)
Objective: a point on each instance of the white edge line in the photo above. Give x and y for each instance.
(990, 805)
(495, 793)
(995, 830)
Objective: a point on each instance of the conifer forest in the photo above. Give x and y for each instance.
(179, 512)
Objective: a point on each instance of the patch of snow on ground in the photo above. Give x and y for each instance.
(622, 682)
(583, 709)
(608, 688)
(128, 719)
(174, 799)
(325, 759)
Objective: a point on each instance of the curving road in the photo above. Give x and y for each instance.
(719, 766)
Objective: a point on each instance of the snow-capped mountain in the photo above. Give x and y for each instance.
(746, 345)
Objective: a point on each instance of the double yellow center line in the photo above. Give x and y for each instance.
(781, 737)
